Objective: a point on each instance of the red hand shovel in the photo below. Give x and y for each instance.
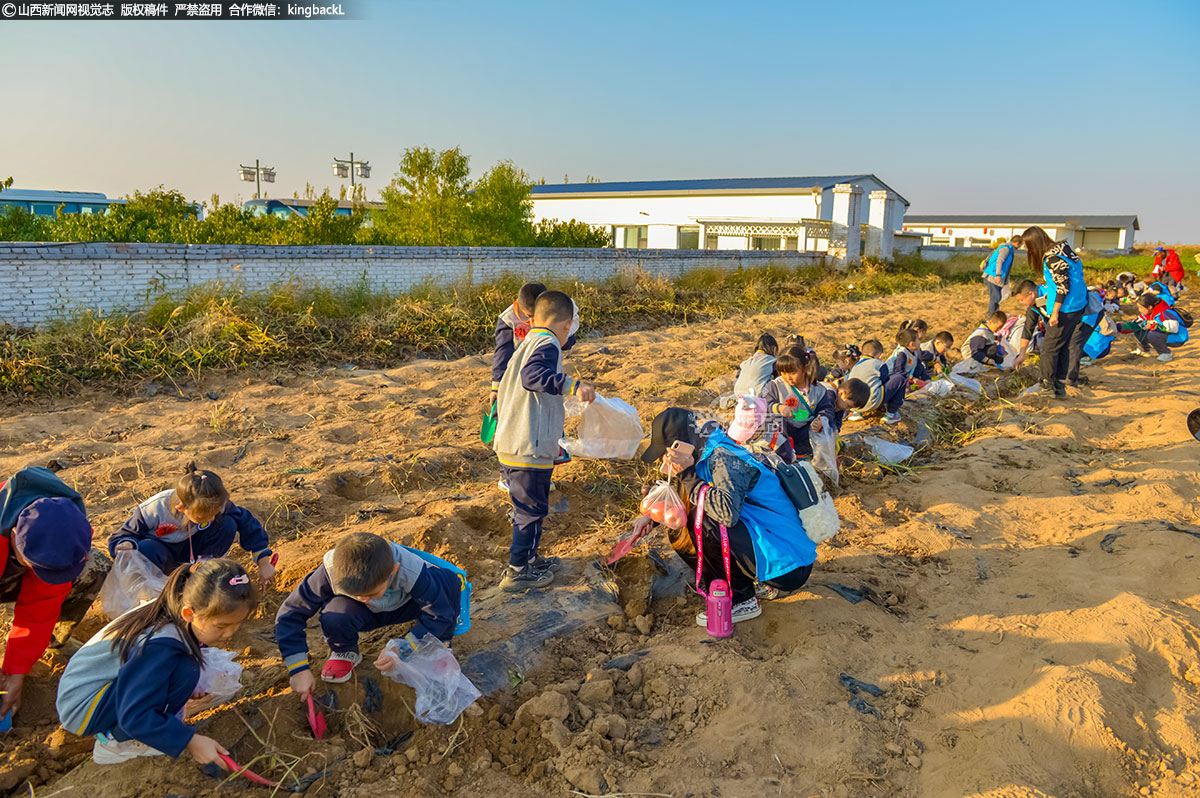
(241, 771)
(316, 720)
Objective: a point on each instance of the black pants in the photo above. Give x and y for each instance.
(993, 297)
(894, 391)
(1056, 348)
(742, 567)
(1079, 339)
(529, 492)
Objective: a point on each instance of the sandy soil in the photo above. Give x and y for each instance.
(1032, 614)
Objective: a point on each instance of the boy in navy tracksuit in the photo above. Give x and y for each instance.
(363, 583)
(981, 349)
(530, 423)
(194, 520)
(514, 324)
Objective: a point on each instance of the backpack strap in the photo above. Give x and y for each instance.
(700, 544)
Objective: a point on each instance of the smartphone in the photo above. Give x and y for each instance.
(683, 446)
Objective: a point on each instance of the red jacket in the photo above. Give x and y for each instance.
(37, 610)
(1169, 263)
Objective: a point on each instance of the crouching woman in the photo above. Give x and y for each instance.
(767, 542)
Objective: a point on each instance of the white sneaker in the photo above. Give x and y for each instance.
(1166, 357)
(891, 418)
(1085, 361)
(340, 666)
(502, 485)
(108, 751)
(741, 612)
(855, 416)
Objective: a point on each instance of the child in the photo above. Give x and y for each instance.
(886, 389)
(906, 357)
(758, 369)
(514, 324)
(364, 582)
(981, 348)
(530, 423)
(1158, 326)
(191, 521)
(796, 399)
(852, 394)
(129, 684)
(919, 326)
(933, 354)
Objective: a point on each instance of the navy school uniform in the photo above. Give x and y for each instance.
(418, 591)
(818, 398)
(168, 539)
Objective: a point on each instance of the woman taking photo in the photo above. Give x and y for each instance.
(1066, 300)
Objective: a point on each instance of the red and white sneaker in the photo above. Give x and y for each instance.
(340, 666)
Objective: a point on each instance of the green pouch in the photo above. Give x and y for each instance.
(488, 431)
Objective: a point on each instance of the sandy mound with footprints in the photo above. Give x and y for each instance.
(1029, 622)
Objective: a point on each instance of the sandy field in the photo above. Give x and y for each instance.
(1030, 612)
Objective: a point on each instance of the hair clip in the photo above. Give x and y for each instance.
(240, 580)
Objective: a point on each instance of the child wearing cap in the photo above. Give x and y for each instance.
(45, 545)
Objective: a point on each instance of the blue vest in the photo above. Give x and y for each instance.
(1181, 336)
(1097, 345)
(780, 543)
(997, 265)
(1076, 298)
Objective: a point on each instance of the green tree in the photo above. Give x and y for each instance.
(553, 233)
(159, 215)
(228, 223)
(500, 209)
(18, 224)
(427, 201)
(322, 224)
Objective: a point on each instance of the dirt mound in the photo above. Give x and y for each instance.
(1012, 612)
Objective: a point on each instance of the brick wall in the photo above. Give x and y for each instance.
(40, 282)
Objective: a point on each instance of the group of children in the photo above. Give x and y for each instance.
(130, 684)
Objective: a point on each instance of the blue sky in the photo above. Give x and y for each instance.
(1046, 107)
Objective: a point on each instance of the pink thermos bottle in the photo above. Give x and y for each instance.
(720, 609)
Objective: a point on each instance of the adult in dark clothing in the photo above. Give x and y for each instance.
(767, 542)
(1066, 301)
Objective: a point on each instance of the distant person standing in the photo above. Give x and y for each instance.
(995, 272)
(1066, 301)
(1168, 269)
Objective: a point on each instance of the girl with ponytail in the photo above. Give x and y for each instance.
(129, 684)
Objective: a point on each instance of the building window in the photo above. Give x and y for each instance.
(710, 242)
(632, 237)
(791, 243)
(765, 242)
(689, 238)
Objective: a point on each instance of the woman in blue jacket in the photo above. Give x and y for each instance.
(995, 272)
(767, 541)
(1066, 301)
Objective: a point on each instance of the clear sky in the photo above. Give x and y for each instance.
(1038, 107)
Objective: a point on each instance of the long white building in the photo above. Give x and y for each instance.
(1081, 231)
(764, 213)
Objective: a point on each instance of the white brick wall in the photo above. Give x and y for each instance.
(41, 282)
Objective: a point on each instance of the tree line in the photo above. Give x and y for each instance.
(432, 201)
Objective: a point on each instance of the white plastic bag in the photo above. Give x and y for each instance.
(220, 679)
(442, 690)
(889, 451)
(133, 580)
(966, 382)
(821, 520)
(824, 447)
(933, 389)
(609, 429)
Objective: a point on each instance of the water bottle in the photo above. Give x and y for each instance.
(720, 609)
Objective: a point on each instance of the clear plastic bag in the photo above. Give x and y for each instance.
(220, 679)
(933, 389)
(609, 429)
(966, 382)
(133, 580)
(821, 521)
(663, 505)
(443, 692)
(824, 447)
(889, 451)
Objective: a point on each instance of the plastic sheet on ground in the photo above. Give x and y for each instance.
(609, 429)
(443, 692)
(132, 581)
(888, 451)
